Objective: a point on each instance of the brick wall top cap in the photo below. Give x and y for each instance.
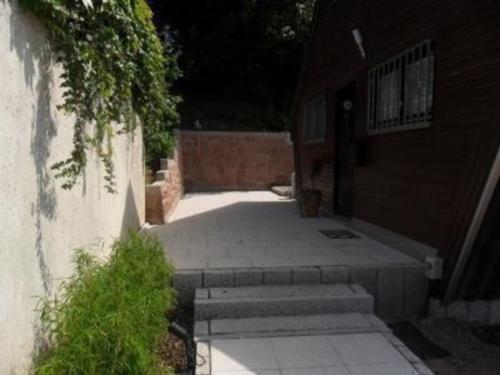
(234, 133)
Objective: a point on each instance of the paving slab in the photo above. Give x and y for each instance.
(218, 277)
(343, 354)
(248, 277)
(390, 291)
(225, 262)
(334, 274)
(304, 351)
(306, 275)
(186, 282)
(281, 275)
(203, 358)
(262, 229)
(364, 348)
(249, 354)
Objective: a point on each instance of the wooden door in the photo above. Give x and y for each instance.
(344, 151)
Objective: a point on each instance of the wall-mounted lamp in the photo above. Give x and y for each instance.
(359, 41)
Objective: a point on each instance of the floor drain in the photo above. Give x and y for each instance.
(339, 234)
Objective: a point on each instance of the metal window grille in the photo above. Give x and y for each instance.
(314, 123)
(400, 91)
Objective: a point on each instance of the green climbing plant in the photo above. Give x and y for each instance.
(117, 74)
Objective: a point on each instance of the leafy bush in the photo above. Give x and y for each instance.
(116, 71)
(111, 316)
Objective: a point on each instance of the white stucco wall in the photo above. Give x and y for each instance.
(40, 223)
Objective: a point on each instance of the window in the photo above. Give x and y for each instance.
(314, 124)
(400, 91)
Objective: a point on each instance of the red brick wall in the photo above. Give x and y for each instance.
(235, 160)
(163, 195)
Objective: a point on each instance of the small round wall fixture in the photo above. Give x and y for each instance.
(348, 105)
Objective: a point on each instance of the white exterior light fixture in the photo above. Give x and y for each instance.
(359, 41)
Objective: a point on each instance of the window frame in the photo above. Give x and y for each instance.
(318, 129)
(401, 64)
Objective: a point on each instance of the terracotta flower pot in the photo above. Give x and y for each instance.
(311, 201)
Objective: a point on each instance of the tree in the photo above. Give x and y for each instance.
(248, 49)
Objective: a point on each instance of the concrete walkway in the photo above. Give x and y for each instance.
(250, 238)
(273, 295)
(260, 229)
(350, 354)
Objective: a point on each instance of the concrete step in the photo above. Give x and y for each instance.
(280, 300)
(276, 326)
(282, 191)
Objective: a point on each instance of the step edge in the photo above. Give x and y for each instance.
(291, 333)
(369, 320)
(354, 287)
(206, 309)
(286, 298)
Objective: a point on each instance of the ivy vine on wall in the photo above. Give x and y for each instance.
(116, 75)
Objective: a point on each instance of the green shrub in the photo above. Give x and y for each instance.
(116, 71)
(111, 315)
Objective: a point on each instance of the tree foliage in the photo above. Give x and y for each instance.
(247, 49)
(116, 76)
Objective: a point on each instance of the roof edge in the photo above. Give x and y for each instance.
(307, 55)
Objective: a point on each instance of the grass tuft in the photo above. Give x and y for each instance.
(111, 316)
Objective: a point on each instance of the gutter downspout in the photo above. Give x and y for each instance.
(475, 226)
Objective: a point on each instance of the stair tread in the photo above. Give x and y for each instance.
(282, 292)
(282, 300)
(290, 325)
(298, 322)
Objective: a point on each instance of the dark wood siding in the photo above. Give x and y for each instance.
(425, 183)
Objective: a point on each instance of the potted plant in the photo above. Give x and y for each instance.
(311, 196)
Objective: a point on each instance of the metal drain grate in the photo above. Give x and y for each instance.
(339, 234)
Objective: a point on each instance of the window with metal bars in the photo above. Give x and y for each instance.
(400, 91)
(314, 122)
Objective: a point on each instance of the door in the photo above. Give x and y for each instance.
(344, 151)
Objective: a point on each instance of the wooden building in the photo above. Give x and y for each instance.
(399, 102)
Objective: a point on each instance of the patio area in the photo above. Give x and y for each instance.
(228, 239)
(261, 229)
